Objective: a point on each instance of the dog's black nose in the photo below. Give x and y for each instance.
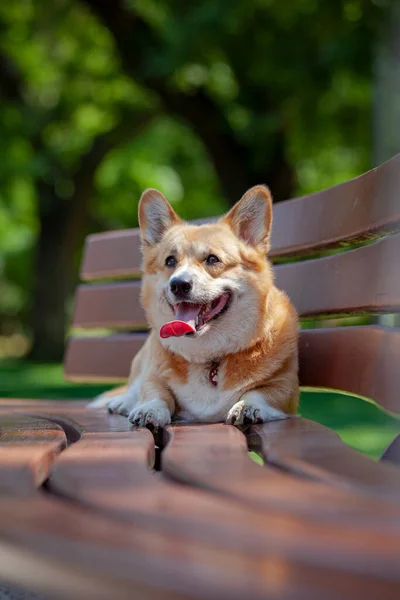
(180, 287)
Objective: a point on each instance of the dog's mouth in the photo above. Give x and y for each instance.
(191, 318)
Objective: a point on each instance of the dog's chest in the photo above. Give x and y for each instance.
(203, 397)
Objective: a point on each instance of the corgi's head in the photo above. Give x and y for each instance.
(205, 287)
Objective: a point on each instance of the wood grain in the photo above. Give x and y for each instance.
(115, 305)
(359, 281)
(215, 458)
(67, 551)
(135, 495)
(359, 360)
(163, 539)
(303, 447)
(28, 448)
(360, 209)
(101, 358)
(112, 254)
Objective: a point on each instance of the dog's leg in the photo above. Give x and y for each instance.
(156, 405)
(103, 400)
(123, 404)
(255, 406)
(152, 414)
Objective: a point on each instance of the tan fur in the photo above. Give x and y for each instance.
(254, 342)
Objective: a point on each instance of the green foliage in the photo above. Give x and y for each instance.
(286, 80)
(360, 424)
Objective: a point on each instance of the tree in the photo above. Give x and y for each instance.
(64, 191)
(253, 78)
(202, 99)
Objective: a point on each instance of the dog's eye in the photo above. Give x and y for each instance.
(212, 259)
(170, 262)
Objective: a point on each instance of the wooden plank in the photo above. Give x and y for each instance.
(306, 448)
(215, 458)
(360, 209)
(80, 549)
(101, 358)
(115, 305)
(136, 496)
(28, 447)
(360, 360)
(111, 255)
(66, 551)
(362, 280)
(392, 452)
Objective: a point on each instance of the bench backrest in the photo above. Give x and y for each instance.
(364, 360)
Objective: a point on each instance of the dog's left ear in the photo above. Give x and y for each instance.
(156, 215)
(251, 217)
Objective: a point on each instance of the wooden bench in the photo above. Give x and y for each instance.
(83, 513)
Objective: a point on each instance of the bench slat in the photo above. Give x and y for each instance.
(359, 209)
(64, 550)
(360, 360)
(362, 280)
(115, 305)
(80, 549)
(101, 358)
(371, 273)
(111, 255)
(306, 448)
(28, 448)
(134, 494)
(215, 457)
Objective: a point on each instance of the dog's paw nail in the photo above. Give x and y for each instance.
(242, 415)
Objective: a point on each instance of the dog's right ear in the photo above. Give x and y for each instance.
(156, 215)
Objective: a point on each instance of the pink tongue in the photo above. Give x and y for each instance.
(185, 321)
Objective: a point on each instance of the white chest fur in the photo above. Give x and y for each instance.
(200, 400)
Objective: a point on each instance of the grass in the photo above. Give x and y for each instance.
(360, 424)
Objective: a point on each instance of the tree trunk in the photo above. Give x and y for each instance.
(64, 224)
(386, 132)
(52, 279)
(136, 43)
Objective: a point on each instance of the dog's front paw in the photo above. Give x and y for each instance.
(253, 408)
(121, 404)
(153, 414)
(243, 413)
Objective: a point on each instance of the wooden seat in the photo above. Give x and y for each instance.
(84, 512)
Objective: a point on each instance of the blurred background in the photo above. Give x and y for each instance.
(100, 99)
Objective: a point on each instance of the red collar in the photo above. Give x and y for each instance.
(213, 374)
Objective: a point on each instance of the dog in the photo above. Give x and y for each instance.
(223, 341)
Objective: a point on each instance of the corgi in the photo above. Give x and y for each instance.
(223, 341)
